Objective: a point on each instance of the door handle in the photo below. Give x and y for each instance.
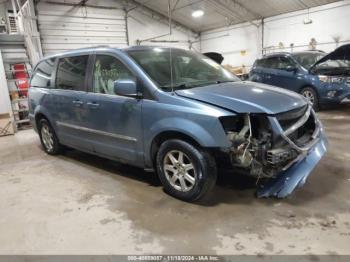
(93, 105)
(78, 102)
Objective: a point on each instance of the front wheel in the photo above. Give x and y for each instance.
(310, 94)
(186, 172)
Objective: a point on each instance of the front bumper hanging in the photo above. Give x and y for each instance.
(295, 175)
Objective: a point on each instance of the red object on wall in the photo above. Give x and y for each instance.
(21, 77)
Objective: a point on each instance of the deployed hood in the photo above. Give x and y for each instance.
(341, 53)
(246, 97)
(217, 57)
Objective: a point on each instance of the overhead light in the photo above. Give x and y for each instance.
(197, 13)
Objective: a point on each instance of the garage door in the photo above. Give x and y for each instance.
(65, 27)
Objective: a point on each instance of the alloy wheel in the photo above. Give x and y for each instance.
(309, 96)
(179, 170)
(47, 137)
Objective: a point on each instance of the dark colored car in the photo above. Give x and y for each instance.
(217, 57)
(175, 112)
(322, 79)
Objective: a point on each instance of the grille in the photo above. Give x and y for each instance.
(302, 135)
(288, 118)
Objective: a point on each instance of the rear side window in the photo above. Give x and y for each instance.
(42, 76)
(71, 72)
(260, 63)
(271, 62)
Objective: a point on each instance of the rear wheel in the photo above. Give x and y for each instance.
(311, 95)
(186, 172)
(48, 138)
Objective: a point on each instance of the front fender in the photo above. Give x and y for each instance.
(208, 133)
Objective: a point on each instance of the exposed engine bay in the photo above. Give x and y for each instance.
(263, 152)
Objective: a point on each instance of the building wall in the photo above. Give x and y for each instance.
(328, 22)
(5, 104)
(143, 27)
(240, 44)
(65, 27)
(3, 9)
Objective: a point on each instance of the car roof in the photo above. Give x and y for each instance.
(147, 47)
(87, 50)
(79, 51)
(277, 54)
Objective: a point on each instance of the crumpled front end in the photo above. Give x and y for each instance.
(294, 177)
(280, 149)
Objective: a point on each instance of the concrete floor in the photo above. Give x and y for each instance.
(81, 204)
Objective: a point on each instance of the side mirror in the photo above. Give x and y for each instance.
(291, 69)
(126, 87)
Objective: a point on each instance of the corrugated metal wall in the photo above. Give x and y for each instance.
(64, 27)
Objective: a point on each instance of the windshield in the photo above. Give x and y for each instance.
(307, 59)
(189, 69)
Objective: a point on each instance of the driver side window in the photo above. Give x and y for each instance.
(107, 70)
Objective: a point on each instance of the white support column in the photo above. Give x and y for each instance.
(14, 7)
(5, 102)
(260, 32)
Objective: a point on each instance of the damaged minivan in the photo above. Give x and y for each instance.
(178, 113)
(322, 79)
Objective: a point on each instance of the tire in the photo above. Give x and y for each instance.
(48, 138)
(175, 174)
(310, 94)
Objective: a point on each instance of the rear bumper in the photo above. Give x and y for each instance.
(32, 122)
(295, 176)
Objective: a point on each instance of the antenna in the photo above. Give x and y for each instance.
(171, 71)
(170, 49)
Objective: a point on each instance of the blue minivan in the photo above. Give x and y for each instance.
(322, 79)
(177, 113)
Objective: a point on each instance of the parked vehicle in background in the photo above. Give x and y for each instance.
(217, 57)
(175, 112)
(239, 71)
(322, 79)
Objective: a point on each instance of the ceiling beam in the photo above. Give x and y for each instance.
(233, 10)
(131, 5)
(188, 4)
(241, 8)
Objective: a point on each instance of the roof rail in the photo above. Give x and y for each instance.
(277, 53)
(89, 47)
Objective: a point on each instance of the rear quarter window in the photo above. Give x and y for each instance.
(260, 63)
(271, 62)
(42, 76)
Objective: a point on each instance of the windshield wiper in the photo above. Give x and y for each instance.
(194, 84)
(214, 82)
(175, 87)
(225, 81)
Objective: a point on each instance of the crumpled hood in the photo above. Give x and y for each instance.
(246, 97)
